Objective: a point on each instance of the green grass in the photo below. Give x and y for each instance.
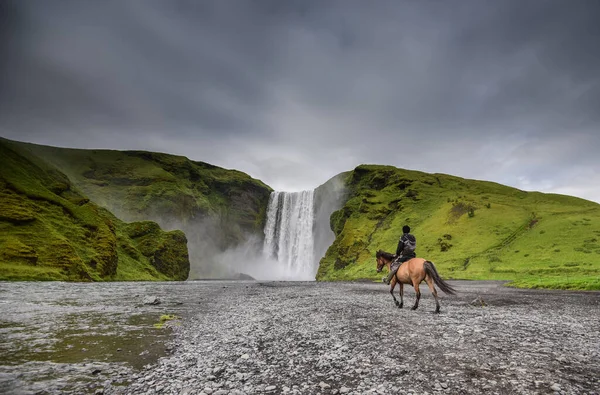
(19, 272)
(49, 230)
(532, 239)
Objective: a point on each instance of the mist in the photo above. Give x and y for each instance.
(247, 259)
(251, 259)
(329, 197)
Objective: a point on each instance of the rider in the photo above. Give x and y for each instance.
(404, 252)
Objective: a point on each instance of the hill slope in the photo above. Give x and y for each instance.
(470, 229)
(215, 207)
(50, 231)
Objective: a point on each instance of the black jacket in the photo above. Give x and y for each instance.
(406, 245)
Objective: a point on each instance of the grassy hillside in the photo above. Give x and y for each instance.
(470, 229)
(51, 231)
(215, 207)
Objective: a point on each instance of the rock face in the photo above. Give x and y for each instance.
(51, 231)
(470, 229)
(166, 251)
(215, 208)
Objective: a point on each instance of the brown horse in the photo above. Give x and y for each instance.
(413, 271)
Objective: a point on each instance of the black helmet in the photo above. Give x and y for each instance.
(406, 229)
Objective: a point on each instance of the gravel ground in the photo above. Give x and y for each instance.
(349, 338)
(307, 338)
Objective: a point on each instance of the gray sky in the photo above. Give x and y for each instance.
(294, 92)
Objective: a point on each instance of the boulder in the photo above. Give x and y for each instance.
(151, 300)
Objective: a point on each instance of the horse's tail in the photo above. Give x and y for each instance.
(432, 272)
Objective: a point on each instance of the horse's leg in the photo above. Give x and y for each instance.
(392, 286)
(418, 292)
(434, 292)
(401, 295)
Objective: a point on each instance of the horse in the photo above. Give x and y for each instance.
(413, 271)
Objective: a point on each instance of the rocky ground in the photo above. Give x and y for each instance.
(349, 338)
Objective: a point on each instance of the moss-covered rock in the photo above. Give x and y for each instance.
(166, 251)
(50, 231)
(13, 250)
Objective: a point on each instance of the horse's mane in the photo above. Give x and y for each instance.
(385, 255)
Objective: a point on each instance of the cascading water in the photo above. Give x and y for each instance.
(289, 234)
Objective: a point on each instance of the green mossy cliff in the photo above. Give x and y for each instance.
(51, 231)
(215, 207)
(470, 229)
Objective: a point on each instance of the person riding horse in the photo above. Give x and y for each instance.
(404, 252)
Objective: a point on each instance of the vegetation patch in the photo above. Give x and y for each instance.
(526, 237)
(164, 319)
(49, 230)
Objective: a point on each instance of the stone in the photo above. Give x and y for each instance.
(478, 302)
(151, 300)
(218, 370)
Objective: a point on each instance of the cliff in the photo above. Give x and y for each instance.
(49, 230)
(216, 208)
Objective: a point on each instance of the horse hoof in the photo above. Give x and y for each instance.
(400, 306)
(437, 311)
(414, 308)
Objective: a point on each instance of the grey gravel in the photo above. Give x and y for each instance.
(349, 338)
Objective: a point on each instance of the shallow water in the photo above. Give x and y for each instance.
(67, 336)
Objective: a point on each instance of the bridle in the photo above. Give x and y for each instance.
(380, 264)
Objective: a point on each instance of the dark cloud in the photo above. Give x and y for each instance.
(294, 92)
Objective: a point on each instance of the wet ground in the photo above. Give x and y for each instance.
(309, 338)
(65, 337)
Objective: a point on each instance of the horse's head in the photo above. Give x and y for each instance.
(381, 261)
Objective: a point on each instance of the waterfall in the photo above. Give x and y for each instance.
(289, 234)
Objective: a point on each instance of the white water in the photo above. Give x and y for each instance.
(289, 238)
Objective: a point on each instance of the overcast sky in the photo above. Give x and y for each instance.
(294, 92)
